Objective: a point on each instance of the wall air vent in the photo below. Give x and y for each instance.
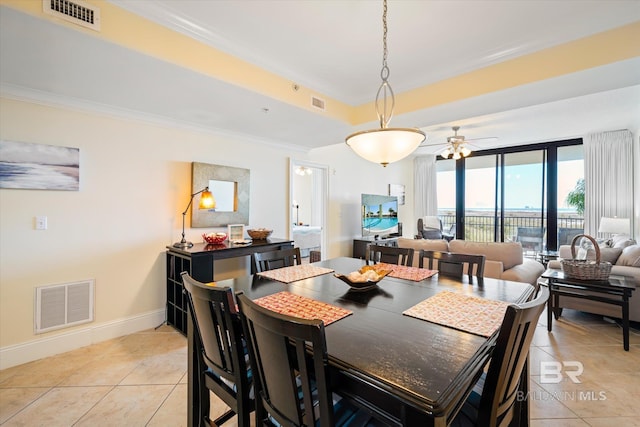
(61, 306)
(75, 11)
(317, 102)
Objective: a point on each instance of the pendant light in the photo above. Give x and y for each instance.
(385, 145)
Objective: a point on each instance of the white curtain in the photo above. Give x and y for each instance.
(425, 186)
(608, 178)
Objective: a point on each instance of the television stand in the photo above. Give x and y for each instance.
(360, 244)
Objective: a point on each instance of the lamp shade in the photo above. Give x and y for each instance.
(614, 225)
(386, 145)
(207, 201)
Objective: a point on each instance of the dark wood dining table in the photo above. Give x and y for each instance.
(412, 371)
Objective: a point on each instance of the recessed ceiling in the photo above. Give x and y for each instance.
(334, 48)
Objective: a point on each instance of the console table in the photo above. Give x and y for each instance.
(616, 291)
(199, 262)
(360, 245)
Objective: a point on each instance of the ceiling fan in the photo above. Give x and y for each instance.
(457, 145)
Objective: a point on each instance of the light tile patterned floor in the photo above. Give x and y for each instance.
(140, 380)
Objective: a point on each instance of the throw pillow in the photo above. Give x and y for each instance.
(621, 241)
(630, 256)
(609, 254)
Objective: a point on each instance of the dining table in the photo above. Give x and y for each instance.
(407, 370)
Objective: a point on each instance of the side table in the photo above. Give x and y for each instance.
(545, 256)
(615, 291)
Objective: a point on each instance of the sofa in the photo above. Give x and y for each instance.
(624, 255)
(503, 260)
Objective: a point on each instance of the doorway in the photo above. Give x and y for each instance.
(308, 200)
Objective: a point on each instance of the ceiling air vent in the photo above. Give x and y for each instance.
(317, 102)
(75, 11)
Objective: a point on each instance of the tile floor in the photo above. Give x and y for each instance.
(140, 380)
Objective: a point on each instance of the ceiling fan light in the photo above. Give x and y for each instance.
(445, 153)
(456, 155)
(387, 145)
(465, 152)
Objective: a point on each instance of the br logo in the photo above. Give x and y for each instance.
(552, 372)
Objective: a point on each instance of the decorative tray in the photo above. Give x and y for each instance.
(364, 279)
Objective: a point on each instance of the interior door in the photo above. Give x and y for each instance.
(308, 201)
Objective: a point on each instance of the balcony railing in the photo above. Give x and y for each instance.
(482, 228)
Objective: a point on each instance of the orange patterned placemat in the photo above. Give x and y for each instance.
(295, 272)
(410, 273)
(306, 308)
(467, 313)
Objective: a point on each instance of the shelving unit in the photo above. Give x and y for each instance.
(198, 261)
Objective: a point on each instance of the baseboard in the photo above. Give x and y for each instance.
(49, 346)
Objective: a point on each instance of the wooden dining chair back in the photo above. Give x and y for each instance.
(498, 391)
(289, 357)
(223, 361)
(389, 254)
(453, 264)
(264, 261)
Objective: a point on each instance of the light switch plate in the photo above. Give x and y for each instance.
(41, 223)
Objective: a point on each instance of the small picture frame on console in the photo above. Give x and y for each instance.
(235, 232)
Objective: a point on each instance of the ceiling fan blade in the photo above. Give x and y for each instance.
(439, 144)
(488, 138)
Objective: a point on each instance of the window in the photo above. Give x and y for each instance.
(514, 194)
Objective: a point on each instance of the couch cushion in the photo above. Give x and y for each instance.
(510, 253)
(630, 256)
(426, 244)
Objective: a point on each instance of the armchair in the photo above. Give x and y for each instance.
(430, 227)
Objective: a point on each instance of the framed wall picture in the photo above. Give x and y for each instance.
(27, 165)
(398, 191)
(235, 232)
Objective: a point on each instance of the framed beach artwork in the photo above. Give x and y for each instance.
(26, 165)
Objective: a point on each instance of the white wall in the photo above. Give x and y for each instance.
(349, 177)
(135, 180)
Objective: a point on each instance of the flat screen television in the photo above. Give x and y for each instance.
(379, 215)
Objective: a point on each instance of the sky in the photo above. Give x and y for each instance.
(522, 184)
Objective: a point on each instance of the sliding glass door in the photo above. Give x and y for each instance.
(480, 196)
(524, 200)
(517, 194)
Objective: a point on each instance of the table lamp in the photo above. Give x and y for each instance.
(207, 201)
(615, 225)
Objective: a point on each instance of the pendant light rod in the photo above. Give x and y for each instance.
(385, 145)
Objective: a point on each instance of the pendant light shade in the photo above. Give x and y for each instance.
(385, 145)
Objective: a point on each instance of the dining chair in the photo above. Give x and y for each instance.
(389, 254)
(494, 399)
(453, 264)
(289, 357)
(223, 362)
(264, 261)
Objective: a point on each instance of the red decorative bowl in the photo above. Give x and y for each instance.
(214, 238)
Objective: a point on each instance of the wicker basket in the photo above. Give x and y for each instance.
(584, 269)
(259, 233)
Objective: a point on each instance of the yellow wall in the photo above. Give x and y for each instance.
(135, 180)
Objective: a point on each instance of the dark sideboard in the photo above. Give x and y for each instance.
(360, 245)
(199, 262)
